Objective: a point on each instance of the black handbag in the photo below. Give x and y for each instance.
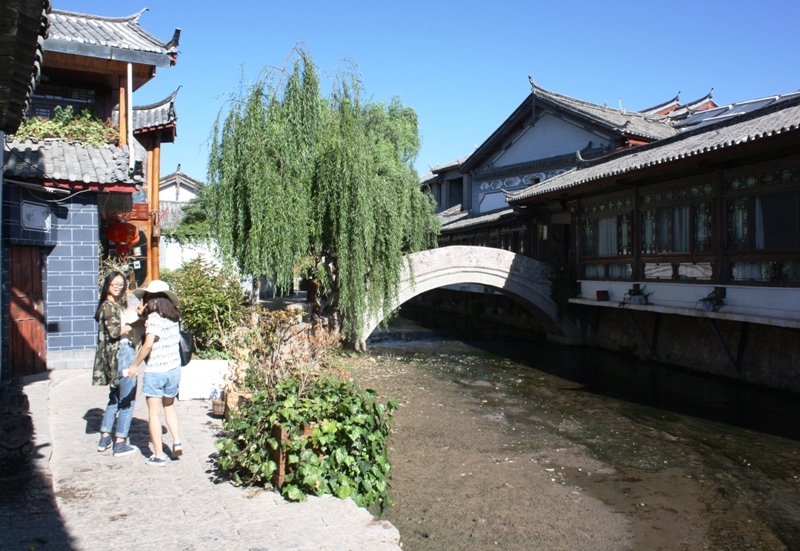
(186, 346)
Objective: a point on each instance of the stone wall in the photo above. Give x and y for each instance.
(771, 355)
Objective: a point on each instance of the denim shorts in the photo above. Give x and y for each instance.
(163, 384)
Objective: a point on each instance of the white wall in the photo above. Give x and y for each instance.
(173, 254)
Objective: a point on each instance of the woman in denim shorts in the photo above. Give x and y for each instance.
(163, 369)
(113, 356)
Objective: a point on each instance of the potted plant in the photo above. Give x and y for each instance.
(636, 295)
(713, 301)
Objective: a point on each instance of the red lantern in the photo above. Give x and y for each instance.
(122, 234)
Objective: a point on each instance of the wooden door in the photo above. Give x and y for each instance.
(27, 345)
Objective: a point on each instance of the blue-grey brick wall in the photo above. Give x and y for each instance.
(69, 275)
(72, 266)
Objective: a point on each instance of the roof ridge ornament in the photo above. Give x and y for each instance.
(136, 16)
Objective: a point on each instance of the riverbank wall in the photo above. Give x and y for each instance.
(754, 354)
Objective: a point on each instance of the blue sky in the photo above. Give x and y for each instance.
(464, 66)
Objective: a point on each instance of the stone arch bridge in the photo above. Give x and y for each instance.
(523, 279)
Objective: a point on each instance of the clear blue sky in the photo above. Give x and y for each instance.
(464, 66)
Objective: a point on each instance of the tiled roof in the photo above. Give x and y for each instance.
(451, 165)
(629, 123)
(779, 117)
(22, 32)
(186, 180)
(155, 115)
(468, 221)
(119, 38)
(675, 109)
(56, 159)
(717, 114)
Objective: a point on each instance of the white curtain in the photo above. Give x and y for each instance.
(680, 229)
(619, 271)
(751, 271)
(607, 236)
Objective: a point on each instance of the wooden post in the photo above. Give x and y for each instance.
(155, 207)
(123, 112)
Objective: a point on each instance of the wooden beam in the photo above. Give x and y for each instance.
(58, 60)
(742, 344)
(722, 343)
(641, 333)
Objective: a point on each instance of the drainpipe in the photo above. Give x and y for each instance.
(129, 116)
(2, 273)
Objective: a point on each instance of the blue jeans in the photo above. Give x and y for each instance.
(121, 399)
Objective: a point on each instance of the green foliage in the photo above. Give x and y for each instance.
(84, 127)
(194, 226)
(635, 291)
(346, 454)
(211, 301)
(294, 175)
(713, 300)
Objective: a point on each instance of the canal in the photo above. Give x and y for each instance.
(527, 445)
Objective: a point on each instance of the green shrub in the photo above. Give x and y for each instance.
(211, 302)
(84, 126)
(346, 454)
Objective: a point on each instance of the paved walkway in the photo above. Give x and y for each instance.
(105, 502)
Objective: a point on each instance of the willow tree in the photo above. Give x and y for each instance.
(325, 184)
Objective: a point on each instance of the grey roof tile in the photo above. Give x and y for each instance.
(95, 35)
(155, 115)
(56, 159)
(468, 221)
(628, 122)
(777, 118)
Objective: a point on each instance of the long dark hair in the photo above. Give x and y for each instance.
(161, 305)
(104, 293)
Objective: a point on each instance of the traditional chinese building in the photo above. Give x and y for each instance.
(697, 236)
(61, 194)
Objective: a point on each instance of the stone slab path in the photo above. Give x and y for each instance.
(106, 501)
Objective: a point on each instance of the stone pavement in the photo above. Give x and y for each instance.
(106, 502)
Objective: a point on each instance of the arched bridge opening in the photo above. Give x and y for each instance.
(523, 279)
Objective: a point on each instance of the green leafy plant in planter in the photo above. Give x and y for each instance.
(636, 295)
(346, 454)
(712, 302)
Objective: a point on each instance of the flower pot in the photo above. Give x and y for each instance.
(235, 399)
(638, 299)
(218, 405)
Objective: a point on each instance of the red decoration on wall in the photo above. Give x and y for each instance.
(122, 234)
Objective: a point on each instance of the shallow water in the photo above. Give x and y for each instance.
(689, 461)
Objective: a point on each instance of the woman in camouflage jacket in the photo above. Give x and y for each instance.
(113, 356)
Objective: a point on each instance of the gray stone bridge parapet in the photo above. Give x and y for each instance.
(521, 278)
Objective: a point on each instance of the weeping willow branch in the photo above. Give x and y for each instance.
(296, 175)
